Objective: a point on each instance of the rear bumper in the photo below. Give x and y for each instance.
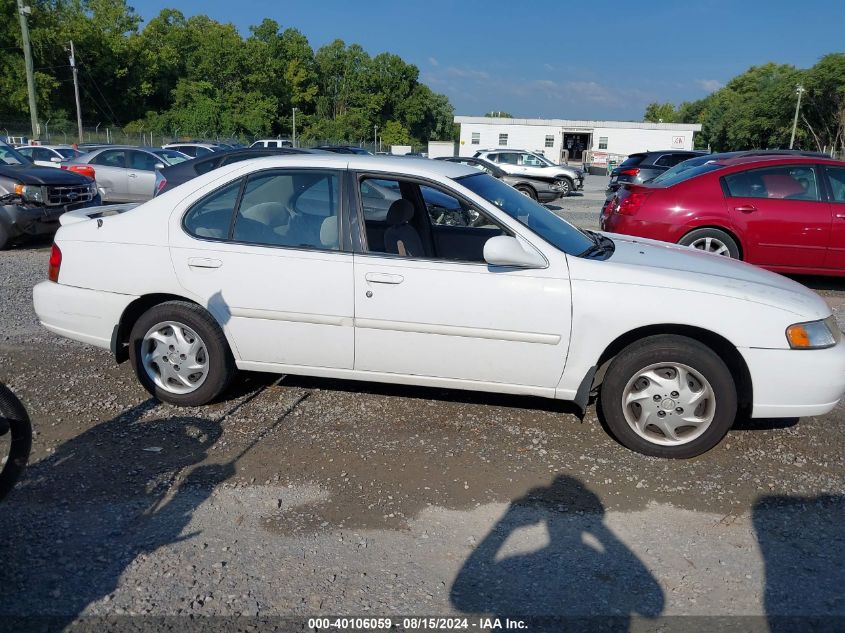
(89, 316)
(794, 383)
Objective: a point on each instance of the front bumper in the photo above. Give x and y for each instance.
(22, 220)
(795, 383)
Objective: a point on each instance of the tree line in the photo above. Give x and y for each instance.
(755, 110)
(194, 76)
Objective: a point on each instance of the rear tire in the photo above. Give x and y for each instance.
(180, 354)
(528, 191)
(668, 396)
(712, 241)
(4, 238)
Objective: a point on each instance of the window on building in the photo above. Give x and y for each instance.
(602, 142)
(476, 138)
(550, 140)
(503, 139)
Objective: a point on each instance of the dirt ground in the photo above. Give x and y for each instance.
(300, 496)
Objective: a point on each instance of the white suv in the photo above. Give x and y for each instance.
(520, 162)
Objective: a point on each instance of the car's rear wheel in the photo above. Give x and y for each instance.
(668, 396)
(712, 241)
(4, 238)
(528, 191)
(180, 354)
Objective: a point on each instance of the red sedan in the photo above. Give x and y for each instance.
(783, 212)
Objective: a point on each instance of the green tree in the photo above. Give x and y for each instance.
(660, 113)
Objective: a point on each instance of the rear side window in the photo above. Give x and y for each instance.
(790, 182)
(298, 209)
(670, 160)
(212, 216)
(687, 174)
(633, 160)
(110, 158)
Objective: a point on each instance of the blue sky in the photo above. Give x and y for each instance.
(589, 59)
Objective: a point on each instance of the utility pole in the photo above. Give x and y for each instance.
(76, 90)
(375, 139)
(294, 127)
(30, 77)
(799, 89)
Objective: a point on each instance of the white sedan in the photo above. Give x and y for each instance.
(280, 264)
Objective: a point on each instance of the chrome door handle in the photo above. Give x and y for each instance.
(204, 262)
(133, 175)
(384, 278)
(840, 216)
(746, 208)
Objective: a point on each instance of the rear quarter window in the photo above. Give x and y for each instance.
(633, 160)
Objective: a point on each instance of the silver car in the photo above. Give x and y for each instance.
(128, 174)
(520, 162)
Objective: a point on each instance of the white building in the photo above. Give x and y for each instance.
(592, 142)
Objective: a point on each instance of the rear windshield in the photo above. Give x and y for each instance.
(633, 160)
(668, 179)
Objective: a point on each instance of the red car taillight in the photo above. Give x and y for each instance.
(630, 204)
(55, 264)
(633, 171)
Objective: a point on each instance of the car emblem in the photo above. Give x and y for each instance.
(72, 195)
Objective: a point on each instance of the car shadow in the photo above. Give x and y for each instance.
(582, 573)
(82, 515)
(802, 543)
(817, 282)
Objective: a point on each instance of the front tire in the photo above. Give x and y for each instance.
(713, 241)
(5, 242)
(668, 396)
(180, 354)
(567, 187)
(15, 438)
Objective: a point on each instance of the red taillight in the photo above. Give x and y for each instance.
(633, 171)
(631, 203)
(55, 264)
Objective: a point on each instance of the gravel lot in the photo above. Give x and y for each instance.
(299, 496)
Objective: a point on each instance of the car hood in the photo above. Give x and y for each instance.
(673, 266)
(36, 175)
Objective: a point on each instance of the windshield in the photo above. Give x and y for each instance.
(171, 157)
(555, 230)
(8, 156)
(684, 171)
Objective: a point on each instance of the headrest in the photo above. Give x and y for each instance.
(400, 211)
(328, 232)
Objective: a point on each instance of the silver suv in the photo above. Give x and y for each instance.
(524, 163)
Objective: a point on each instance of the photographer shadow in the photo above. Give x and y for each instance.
(584, 578)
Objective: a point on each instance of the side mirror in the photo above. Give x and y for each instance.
(55, 159)
(159, 166)
(504, 250)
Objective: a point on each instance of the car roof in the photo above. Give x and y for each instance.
(360, 162)
(800, 158)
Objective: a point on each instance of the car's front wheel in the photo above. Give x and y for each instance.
(668, 396)
(566, 187)
(180, 354)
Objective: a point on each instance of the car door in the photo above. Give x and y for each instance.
(780, 214)
(264, 254)
(110, 168)
(448, 315)
(835, 180)
(140, 175)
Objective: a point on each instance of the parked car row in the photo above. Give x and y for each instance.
(781, 210)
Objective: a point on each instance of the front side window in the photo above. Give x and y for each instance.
(602, 142)
(503, 139)
(532, 161)
(476, 138)
(296, 209)
(142, 161)
(789, 182)
(836, 181)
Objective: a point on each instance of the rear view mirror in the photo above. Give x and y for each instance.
(159, 166)
(55, 159)
(504, 250)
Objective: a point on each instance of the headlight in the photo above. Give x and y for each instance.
(31, 193)
(814, 334)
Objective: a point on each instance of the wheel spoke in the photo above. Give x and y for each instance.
(637, 396)
(665, 383)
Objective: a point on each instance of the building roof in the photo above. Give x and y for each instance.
(572, 123)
